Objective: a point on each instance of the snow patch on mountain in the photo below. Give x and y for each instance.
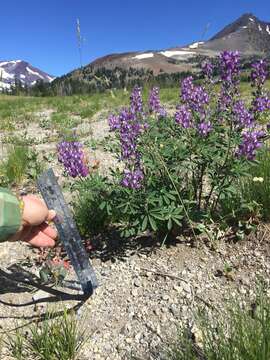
(143, 56)
(4, 85)
(196, 45)
(4, 75)
(33, 72)
(178, 53)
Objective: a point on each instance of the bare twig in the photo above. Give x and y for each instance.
(159, 273)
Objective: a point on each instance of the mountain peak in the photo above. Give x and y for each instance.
(21, 70)
(247, 16)
(248, 34)
(247, 19)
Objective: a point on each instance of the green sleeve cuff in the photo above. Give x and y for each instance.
(10, 214)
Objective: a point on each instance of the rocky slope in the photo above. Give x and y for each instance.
(247, 34)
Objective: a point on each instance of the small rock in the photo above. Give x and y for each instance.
(138, 337)
(157, 311)
(40, 294)
(137, 283)
(186, 287)
(177, 288)
(129, 340)
(174, 310)
(134, 292)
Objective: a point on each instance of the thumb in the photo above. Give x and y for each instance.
(51, 215)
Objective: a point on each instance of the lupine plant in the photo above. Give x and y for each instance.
(178, 171)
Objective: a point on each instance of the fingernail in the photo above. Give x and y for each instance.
(52, 213)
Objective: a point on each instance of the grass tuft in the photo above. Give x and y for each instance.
(237, 334)
(51, 339)
(21, 162)
(257, 187)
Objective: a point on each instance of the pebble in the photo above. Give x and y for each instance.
(186, 287)
(137, 283)
(129, 340)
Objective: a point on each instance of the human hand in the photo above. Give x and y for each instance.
(35, 229)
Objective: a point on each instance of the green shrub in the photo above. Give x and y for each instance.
(90, 216)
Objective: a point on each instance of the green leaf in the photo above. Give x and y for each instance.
(102, 205)
(201, 227)
(170, 196)
(177, 221)
(167, 201)
(169, 224)
(152, 223)
(144, 223)
(157, 216)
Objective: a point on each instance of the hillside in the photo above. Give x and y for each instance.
(247, 34)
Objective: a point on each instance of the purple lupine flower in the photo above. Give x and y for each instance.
(207, 69)
(187, 88)
(229, 66)
(251, 141)
(224, 101)
(162, 112)
(204, 128)
(136, 103)
(199, 99)
(229, 62)
(195, 96)
(242, 116)
(133, 178)
(71, 155)
(154, 101)
(114, 122)
(130, 129)
(261, 104)
(259, 73)
(183, 116)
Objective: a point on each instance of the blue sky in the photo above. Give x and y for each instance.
(43, 32)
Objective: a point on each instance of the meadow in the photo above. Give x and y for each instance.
(174, 189)
(21, 109)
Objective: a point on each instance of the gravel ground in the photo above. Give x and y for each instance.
(145, 292)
